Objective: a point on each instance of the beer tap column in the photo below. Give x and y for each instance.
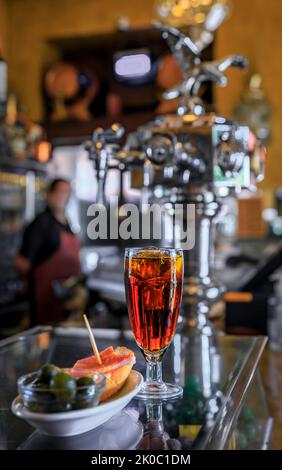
(201, 290)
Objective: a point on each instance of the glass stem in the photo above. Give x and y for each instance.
(154, 411)
(154, 370)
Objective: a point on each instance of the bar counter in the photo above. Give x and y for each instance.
(223, 405)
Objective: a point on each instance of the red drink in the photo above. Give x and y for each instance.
(153, 282)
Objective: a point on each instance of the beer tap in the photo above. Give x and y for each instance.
(187, 158)
(101, 148)
(204, 152)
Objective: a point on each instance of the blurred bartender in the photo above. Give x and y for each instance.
(49, 252)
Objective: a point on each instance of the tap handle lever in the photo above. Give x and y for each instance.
(102, 138)
(230, 61)
(100, 148)
(108, 136)
(205, 72)
(213, 71)
(181, 46)
(176, 39)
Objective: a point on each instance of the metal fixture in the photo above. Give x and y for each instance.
(189, 157)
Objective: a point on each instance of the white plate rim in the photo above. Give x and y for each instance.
(19, 409)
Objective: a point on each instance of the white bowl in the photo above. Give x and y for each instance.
(71, 423)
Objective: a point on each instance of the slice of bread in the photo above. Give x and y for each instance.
(116, 366)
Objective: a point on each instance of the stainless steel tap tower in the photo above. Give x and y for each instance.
(191, 157)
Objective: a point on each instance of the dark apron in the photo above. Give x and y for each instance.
(63, 264)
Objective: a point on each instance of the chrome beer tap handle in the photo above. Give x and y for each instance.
(205, 72)
(212, 72)
(101, 138)
(182, 47)
(195, 72)
(230, 61)
(101, 148)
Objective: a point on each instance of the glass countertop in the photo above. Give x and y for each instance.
(216, 376)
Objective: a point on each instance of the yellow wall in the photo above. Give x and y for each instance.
(254, 29)
(4, 24)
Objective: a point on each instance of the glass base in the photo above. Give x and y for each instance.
(159, 391)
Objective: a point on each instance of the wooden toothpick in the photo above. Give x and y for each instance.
(92, 340)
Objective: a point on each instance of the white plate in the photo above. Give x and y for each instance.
(71, 423)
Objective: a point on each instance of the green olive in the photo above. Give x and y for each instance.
(47, 372)
(84, 382)
(64, 387)
(85, 391)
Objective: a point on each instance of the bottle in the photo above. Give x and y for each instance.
(16, 128)
(254, 109)
(3, 83)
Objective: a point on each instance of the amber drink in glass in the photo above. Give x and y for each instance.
(153, 284)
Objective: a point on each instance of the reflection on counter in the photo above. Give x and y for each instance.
(106, 437)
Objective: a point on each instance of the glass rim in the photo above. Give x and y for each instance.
(132, 251)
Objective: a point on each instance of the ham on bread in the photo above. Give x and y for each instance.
(116, 366)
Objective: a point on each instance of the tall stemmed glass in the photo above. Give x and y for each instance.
(153, 284)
